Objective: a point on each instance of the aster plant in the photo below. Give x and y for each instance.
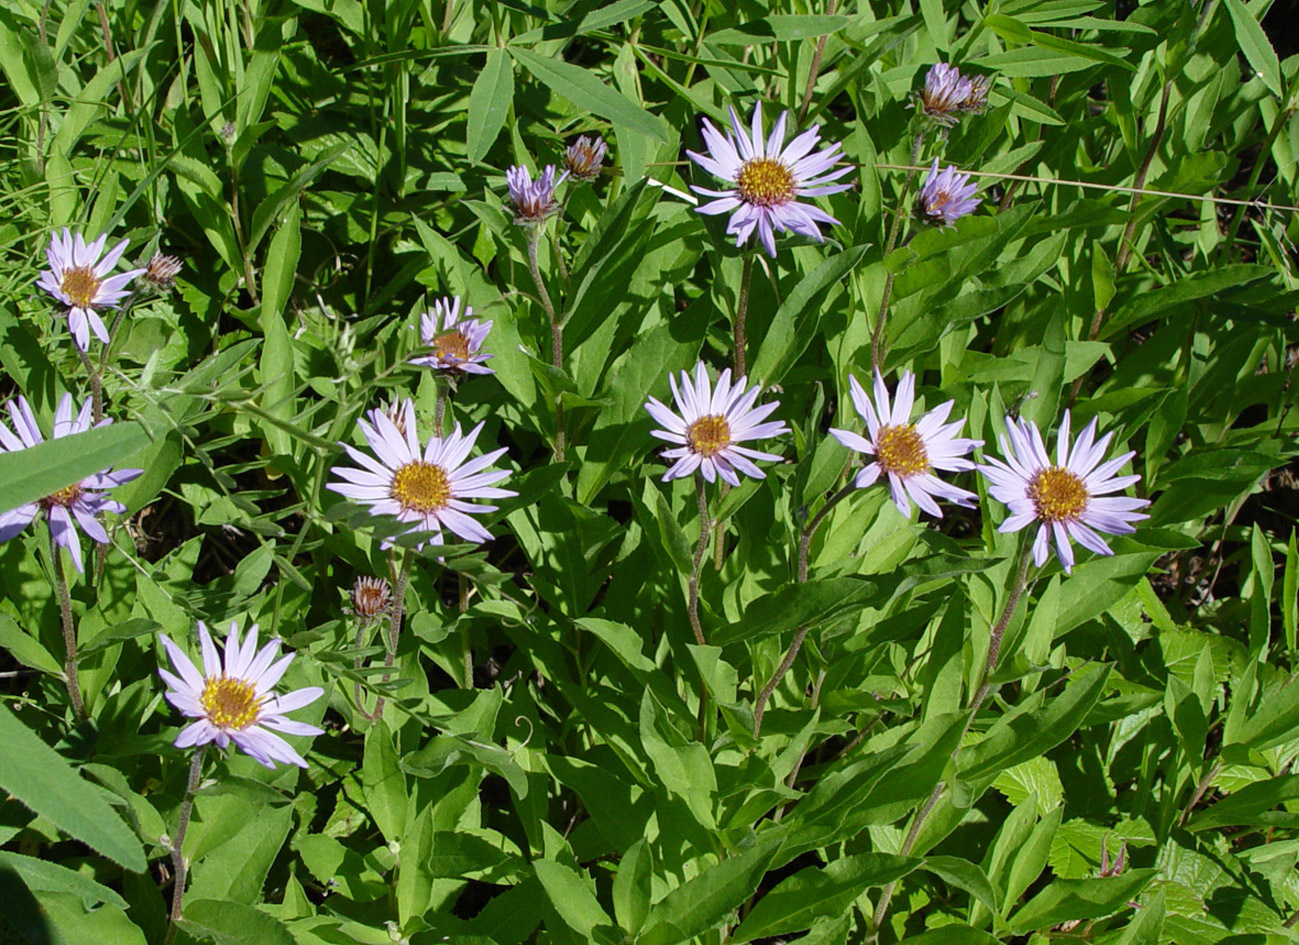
(769, 179)
(909, 453)
(945, 94)
(425, 487)
(710, 423)
(454, 339)
(1070, 499)
(584, 158)
(946, 196)
(79, 277)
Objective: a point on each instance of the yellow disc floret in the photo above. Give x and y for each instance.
(230, 703)
(1058, 494)
(901, 450)
(421, 487)
(453, 345)
(709, 435)
(64, 497)
(80, 285)
(765, 182)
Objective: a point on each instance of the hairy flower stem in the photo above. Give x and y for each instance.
(466, 644)
(399, 585)
(705, 529)
(999, 629)
(741, 313)
(96, 384)
(804, 545)
(815, 70)
(1126, 244)
(692, 601)
(556, 335)
(180, 869)
(877, 336)
(994, 651)
(886, 896)
(441, 409)
(70, 678)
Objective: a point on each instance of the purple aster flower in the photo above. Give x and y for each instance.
(534, 201)
(424, 487)
(944, 94)
(234, 700)
(909, 452)
(768, 177)
(946, 196)
(455, 343)
(78, 504)
(1070, 497)
(584, 158)
(711, 423)
(80, 279)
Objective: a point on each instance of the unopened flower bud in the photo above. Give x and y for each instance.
(161, 271)
(371, 598)
(585, 158)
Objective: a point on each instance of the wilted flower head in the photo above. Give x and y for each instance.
(909, 452)
(1070, 497)
(78, 504)
(977, 98)
(711, 423)
(534, 201)
(371, 598)
(946, 196)
(455, 343)
(768, 177)
(80, 279)
(161, 271)
(234, 700)
(584, 158)
(426, 488)
(945, 93)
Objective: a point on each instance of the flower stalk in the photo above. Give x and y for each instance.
(556, 334)
(877, 336)
(70, 677)
(180, 869)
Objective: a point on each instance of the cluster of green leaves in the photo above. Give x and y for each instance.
(327, 167)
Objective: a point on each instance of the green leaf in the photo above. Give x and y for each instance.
(583, 89)
(1146, 305)
(631, 887)
(270, 209)
(811, 893)
(44, 876)
(1013, 31)
(782, 28)
(489, 103)
(1028, 731)
(572, 898)
(795, 322)
(1065, 900)
(32, 474)
(1256, 46)
(233, 923)
(703, 902)
(952, 935)
(1250, 806)
(40, 779)
(383, 783)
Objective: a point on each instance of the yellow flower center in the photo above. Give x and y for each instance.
(230, 703)
(709, 435)
(80, 285)
(64, 497)
(765, 182)
(1058, 494)
(901, 450)
(421, 487)
(453, 344)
